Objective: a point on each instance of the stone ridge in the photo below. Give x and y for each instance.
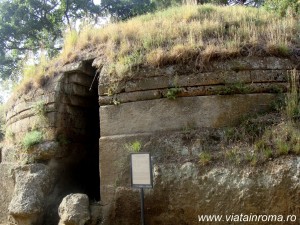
(59, 110)
(62, 97)
(251, 74)
(65, 93)
(210, 98)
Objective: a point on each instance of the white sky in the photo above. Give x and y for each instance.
(97, 2)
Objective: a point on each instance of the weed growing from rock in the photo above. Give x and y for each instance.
(292, 98)
(204, 158)
(172, 93)
(133, 147)
(32, 138)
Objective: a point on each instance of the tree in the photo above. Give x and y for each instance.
(32, 25)
(284, 7)
(125, 9)
(161, 4)
(255, 3)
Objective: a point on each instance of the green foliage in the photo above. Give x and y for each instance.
(39, 108)
(255, 3)
(32, 138)
(268, 153)
(282, 147)
(205, 158)
(124, 65)
(124, 9)
(29, 26)
(2, 121)
(281, 139)
(292, 98)
(134, 146)
(249, 129)
(283, 7)
(233, 155)
(188, 131)
(235, 88)
(172, 93)
(163, 4)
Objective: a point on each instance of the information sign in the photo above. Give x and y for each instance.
(141, 170)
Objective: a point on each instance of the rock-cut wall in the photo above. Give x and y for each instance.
(36, 176)
(177, 113)
(174, 112)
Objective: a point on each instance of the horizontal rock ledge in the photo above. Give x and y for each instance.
(163, 114)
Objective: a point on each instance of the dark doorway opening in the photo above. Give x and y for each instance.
(86, 172)
(77, 169)
(81, 167)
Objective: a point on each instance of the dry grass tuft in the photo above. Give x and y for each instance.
(180, 34)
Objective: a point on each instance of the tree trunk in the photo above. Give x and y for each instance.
(190, 2)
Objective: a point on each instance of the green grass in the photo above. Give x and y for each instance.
(172, 93)
(282, 147)
(204, 158)
(32, 138)
(39, 109)
(292, 99)
(236, 88)
(134, 147)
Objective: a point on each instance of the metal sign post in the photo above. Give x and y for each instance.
(141, 175)
(142, 207)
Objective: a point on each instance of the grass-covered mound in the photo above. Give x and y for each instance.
(178, 35)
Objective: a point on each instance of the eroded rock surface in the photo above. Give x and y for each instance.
(74, 210)
(32, 184)
(138, 109)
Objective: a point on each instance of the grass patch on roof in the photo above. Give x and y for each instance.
(178, 34)
(181, 34)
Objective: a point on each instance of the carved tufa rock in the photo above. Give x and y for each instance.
(33, 183)
(74, 210)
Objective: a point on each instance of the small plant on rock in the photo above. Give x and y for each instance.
(235, 88)
(174, 90)
(172, 93)
(40, 111)
(134, 147)
(268, 153)
(32, 138)
(282, 147)
(292, 99)
(204, 158)
(39, 108)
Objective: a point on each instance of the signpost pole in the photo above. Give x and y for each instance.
(142, 207)
(141, 176)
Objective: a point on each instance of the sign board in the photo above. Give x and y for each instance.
(141, 170)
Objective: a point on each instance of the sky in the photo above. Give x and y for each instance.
(97, 2)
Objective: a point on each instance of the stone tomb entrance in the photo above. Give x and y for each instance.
(82, 130)
(83, 165)
(67, 159)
